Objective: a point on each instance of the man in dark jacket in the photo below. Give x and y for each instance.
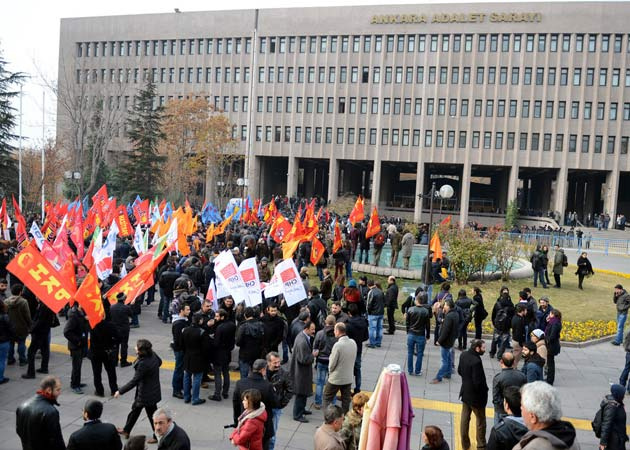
(76, 332)
(44, 319)
(375, 311)
(518, 327)
(281, 382)
(317, 307)
(533, 363)
(502, 314)
(357, 330)
(167, 283)
(37, 419)
(326, 285)
(275, 328)
(170, 436)
(103, 343)
(448, 335)
(95, 435)
(20, 317)
(506, 433)
(391, 303)
(256, 380)
(301, 369)
(542, 312)
(224, 338)
(418, 322)
(250, 339)
(508, 376)
(613, 427)
(622, 300)
(473, 392)
(180, 322)
(121, 315)
(194, 344)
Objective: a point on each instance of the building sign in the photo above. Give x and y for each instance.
(514, 17)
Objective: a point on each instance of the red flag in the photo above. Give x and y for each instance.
(357, 214)
(100, 197)
(280, 228)
(67, 271)
(297, 230)
(137, 281)
(446, 221)
(20, 233)
(122, 220)
(41, 278)
(317, 251)
(89, 297)
(76, 235)
(374, 224)
(141, 211)
(337, 241)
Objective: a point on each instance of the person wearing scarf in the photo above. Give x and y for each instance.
(552, 333)
(250, 428)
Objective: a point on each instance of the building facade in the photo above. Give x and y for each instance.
(517, 101)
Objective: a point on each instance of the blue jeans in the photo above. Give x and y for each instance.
(540, 274)
(357, 373)
(623, 379)
(446, 367)
(621, 321)
(196, 385)
(320, 273)
(4, 352)
(367, 255)
(320, 381)
(348, 270)
(178, 373)
(277, 412)
(376, 329)
(243, 368)
(415, 342)
(21, 348)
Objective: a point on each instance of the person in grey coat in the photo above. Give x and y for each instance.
(558, 265)
(301, 370)
(341, 368)
(407, 246)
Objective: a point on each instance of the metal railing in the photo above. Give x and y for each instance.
(606, 246)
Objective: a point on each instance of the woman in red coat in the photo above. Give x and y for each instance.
(251, 424)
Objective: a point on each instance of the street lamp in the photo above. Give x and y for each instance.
(242, 182)
(76, 176)
(221, 191)
(445, 192)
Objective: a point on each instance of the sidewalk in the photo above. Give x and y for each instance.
(583, 377)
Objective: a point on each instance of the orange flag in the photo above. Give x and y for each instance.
(122, 220)
(41, 278)
(374, 224)
(357, 214)
(137, 281)
(446, 221)
(280, 228)
(289, 248)
(317, 251)
(297, 230)
(337, 241)
(210, 233)
(89, 297)
(436, 246)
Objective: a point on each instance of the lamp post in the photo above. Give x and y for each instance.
(445, 192)
(220, 186)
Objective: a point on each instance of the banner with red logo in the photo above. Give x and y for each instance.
(292, 286)
(249, 274)
(226, 270)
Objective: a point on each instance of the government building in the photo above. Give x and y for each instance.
(503, 101)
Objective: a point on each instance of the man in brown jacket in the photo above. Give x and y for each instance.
(20, 317)
(327, 436)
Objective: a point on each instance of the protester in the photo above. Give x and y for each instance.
(76, 332)
(502, 314)
(250, 424)
(249, 338)
(473, 392)
(280, 379)
(407, 242)
(301, 363)
(337, 312)
(534, 363)
(224, 341)
(543, 312)
(391, 303)
(146, 380)
(375, 309)
(179, 323)
(552, 332)
(95, 435)
(351, 429)
(327, 436)
(463, 305)
(612, 433)
(20, 318)
(584, 269)
(104, 340)
(622, 301)
(357, 330)
(433, 439)
(324, 341)
(538, 337)
(510, 428)
(170, 436)
(195, 344)
(121, 316)
(341, 368)
(519, 334)
(508, 377)
(479, 311)
(37, 419)
(40, 332)
(418, 323)
(559, 263)
(448, 334)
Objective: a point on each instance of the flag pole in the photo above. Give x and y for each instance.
(43, 147)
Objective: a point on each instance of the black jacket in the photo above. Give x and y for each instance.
(194, 344)
(176, 330)
(95, 435)
(502, 380)
(506, 434)
(146, 380)
(7, 331)
(518, 329)
(503, 302)
(43, 320)
(375, 302)
(391, 296)
(613, 434)
(275, 331)
(474, 389)
(418, 320)
(177, 439)
(267, 392)
(357, 330)
(249, 338)
(120, 314)
(76, 330)
(281, 381)
(449, 329)
(103, 337)
(37, 424)
(167, 281)
(224, 339)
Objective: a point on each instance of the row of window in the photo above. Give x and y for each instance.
(345, 44)
(539, 76)
(438, 138)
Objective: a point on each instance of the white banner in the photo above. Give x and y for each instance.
(221, 291)
(292, 286)
(137, 240)
(226, 269)
(274, 287)
(249, 274)
(37, 235)
(211, 296)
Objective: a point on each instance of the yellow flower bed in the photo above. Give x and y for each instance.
(572, 331)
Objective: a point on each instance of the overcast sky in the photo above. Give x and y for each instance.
(29, 39)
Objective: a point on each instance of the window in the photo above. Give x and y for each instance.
(361, 135)
(592, 43)
(600, 110)
(445, 42)
(529, 46)
(503, 74)
(535, 141)
(562, 105)
(400, 43)
(572, 143)
(386, 105)
(610, 147)
(454, 75)
(566, 42)
(478, 106)
(356, 44)
(388, 74)
(390, 44)
(522, 142)
(540, 76)
(505, 43)
(537, 109)
(363, 105)
(464, 108)
(367, 47)
(457, 43)
(626, 111)
(575, 110)
(405, 137)
(547, 142)
(475, 139)
(487, 140)
(318, 135)
(553, 43)
(510, 140)
(603, 75)
(564, 76)
(489, 107)
(372, 136)
(432, 75)
(418, 107)
(374, 109)
(517, 43)
(577, 76)
(549, 109)
(462, 139)
(420, 75)
(525, 109)
(559, 142)
(590, 76)
(353, 105)
(376, 75)
(339, 135)
(585, 143)
(618, 38)
(466, 76)
(480, 73)
(598, 144)
(443, 75)
(494, 42)
(430, 106)
(452, 109)
(468, 43)
(616, 74)
(439, 138)
(350, 135)
(395, 136)
(515, 75)
(579, 44)
(613, 111)
(481, 43)
(365, 74)
(527, 79)
(378, 43)
(492, 73)
(450, 139)
(624, 145)
(328, 138)
(307, 135)
(428, 138)
(513, 106)
(434, 43)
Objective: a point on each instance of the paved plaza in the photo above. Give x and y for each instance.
(583, 377)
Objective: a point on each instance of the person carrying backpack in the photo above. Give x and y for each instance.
(609, 423)
(379, 243)
(317, 308)
(502, 313)
(463, 305)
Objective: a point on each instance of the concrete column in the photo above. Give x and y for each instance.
(417, 210)
(612, 196)
(254, 177)
(560, 200)
(464, 202)
(376, 183)
(211, 182)
(333, 179)
(512, 188)
(593, 187)
(292, 177)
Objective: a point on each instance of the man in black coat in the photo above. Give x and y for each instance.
(357, 330)
(281, 381)
(194, 343)
(448, 335)
(37, 419)
(170, 435)
(104, 340)
(95, 435)
(473, 392)
(167, 282)
(256, 380)
(391, 303)
(275, 328)
(121, 314)
(249, 338)
(76, 332)
(224, 339)
(508, 376)
(42, 322)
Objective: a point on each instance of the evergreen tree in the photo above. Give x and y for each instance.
(139, 173)
(511, 215)
(8, 162)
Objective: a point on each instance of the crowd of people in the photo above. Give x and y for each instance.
(282, 351)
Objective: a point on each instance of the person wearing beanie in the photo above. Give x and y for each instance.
(533, 367)
(613, 426)
(537, 336)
